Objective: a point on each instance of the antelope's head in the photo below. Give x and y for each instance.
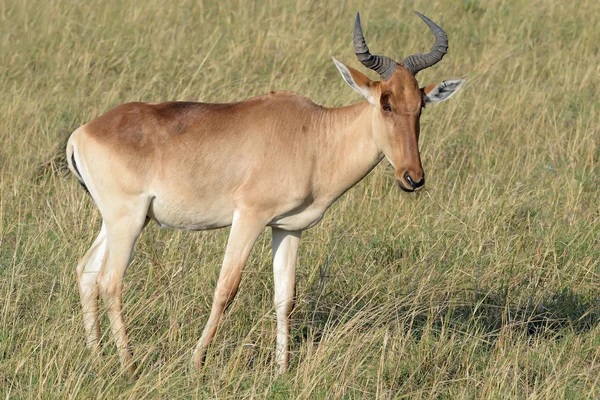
(398, 101)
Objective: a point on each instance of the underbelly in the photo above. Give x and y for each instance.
(197, 217)
(170, 212)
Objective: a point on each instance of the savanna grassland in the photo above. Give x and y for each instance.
(485, 285)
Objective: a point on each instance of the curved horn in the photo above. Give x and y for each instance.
(417, 62)
(384, 66)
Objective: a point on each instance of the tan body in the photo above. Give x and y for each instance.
(258, 164)
(276, 160)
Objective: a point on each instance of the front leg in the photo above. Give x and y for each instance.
(285, 255)
(245, 229)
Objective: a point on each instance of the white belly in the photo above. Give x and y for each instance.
(198, 217)
(171, 212)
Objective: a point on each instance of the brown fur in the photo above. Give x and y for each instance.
(276, 160)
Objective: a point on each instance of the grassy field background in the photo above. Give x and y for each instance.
(486, 285)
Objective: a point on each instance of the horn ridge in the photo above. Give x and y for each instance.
(418, 62)
(384, 66)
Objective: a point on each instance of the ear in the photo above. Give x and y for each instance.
(442, 91)
(357, 81)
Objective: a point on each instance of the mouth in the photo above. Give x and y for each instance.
(404, 188)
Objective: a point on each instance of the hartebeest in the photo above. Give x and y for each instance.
(276, 160)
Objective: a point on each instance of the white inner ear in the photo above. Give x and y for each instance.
(444, 90)
(363, 91)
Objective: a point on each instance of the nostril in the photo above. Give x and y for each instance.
(409, 179)
(420, 183)
(412, 183)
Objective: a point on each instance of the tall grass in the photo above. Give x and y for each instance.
(486, 285)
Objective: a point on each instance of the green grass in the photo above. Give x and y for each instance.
(486, 285)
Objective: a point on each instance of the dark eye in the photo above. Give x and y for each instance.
(387, 108)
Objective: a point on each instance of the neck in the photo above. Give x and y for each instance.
(347, 152)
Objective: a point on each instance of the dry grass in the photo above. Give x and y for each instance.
(487, 285)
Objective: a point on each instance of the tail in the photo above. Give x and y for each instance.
(72, 164)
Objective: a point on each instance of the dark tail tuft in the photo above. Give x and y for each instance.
(77, 173)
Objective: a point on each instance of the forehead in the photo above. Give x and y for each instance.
(402, 86)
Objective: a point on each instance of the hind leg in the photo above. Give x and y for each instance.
(87, 271)
(124, 224)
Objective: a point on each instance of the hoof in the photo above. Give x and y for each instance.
(198, 360)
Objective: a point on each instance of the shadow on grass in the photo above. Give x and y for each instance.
(485, 313)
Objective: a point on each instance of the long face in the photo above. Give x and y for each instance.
(396, 127)
(398, 101)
